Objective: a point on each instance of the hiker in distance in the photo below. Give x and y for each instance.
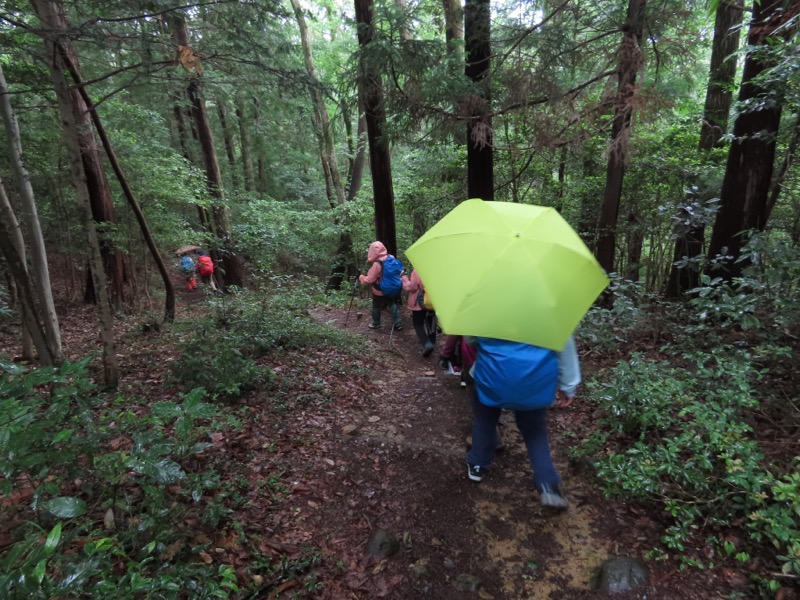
(525, 379)
(188, 269)
(384, 277)
(422, 317)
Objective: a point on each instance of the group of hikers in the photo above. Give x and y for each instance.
(203, 266)
(499, 374)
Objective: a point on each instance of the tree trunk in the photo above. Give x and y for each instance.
(788, 160)
(371, 90)
(49, 14)
(480, 154)
(40, 268)
(322, 121)
(453, 23)
(169, 289)
(227, 138)
(630, 61)
(715, 125)
(12, 248)
(233, 273)
(748, 174)
(245, 145)
(54, 21)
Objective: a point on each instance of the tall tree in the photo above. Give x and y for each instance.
(169, 289)
(233, 273)
(719, 96)
(322, 121)
(12, 248)
(748, 173)
(245, 145)
(54, 20)
(40, 268)
(630, 60)
(371, 92)
(84, 162)
(480, 154)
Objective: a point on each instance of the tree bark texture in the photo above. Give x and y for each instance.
(54, 22)
(169, 289)
(74, 125)
(748, 173)
(227, 138)
(630, 61)
(245, 145)
(233, 273)
(480, 153)
(322, 121)
(371, 91)
(12, 248)
(719, 97)
(40, 268)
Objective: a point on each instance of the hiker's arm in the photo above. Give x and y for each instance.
(569, 373)
(372, 275)
(410, 284)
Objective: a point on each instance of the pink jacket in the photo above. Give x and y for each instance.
(414, 286)
(377, 252)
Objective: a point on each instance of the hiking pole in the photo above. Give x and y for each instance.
(352, 297)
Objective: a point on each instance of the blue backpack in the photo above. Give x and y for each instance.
(187, 265)
(390, 284)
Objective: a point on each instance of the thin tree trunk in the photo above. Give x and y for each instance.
(480, 154)
(322, 121)
(371, 91)
(41, 270)
(788, 160)
(169, 289)
(68, 111)
(12, 247)
(630, 61)
(715, 125)
(227, 138)
(245, 145)
(54, 21)
(232, 265)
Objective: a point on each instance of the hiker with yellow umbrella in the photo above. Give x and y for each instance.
(517, 279)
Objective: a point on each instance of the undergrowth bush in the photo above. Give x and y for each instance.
(677, 434)
(606, 328)
(222, 351)
(99, 491)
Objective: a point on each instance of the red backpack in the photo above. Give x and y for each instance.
(205, 266)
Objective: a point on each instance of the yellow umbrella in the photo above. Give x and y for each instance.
(509, 271)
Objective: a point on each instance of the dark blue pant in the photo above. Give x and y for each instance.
(532, 425)
(424, 325)
(378, 304)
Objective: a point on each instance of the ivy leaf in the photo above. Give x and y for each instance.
(66, 507)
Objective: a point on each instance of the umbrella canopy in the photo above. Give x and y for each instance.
(186, 250)
(509, 271)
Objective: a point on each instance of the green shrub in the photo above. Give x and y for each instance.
(222, 350)
(108, 490)
(678, 435)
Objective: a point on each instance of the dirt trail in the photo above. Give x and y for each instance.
(456, 531)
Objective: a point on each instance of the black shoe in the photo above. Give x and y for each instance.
(398, 326)
(475, 473)
(426, 351)
(374, 326)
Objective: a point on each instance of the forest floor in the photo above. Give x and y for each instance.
(384, 449)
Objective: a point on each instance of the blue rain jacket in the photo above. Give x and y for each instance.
(519, 376)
